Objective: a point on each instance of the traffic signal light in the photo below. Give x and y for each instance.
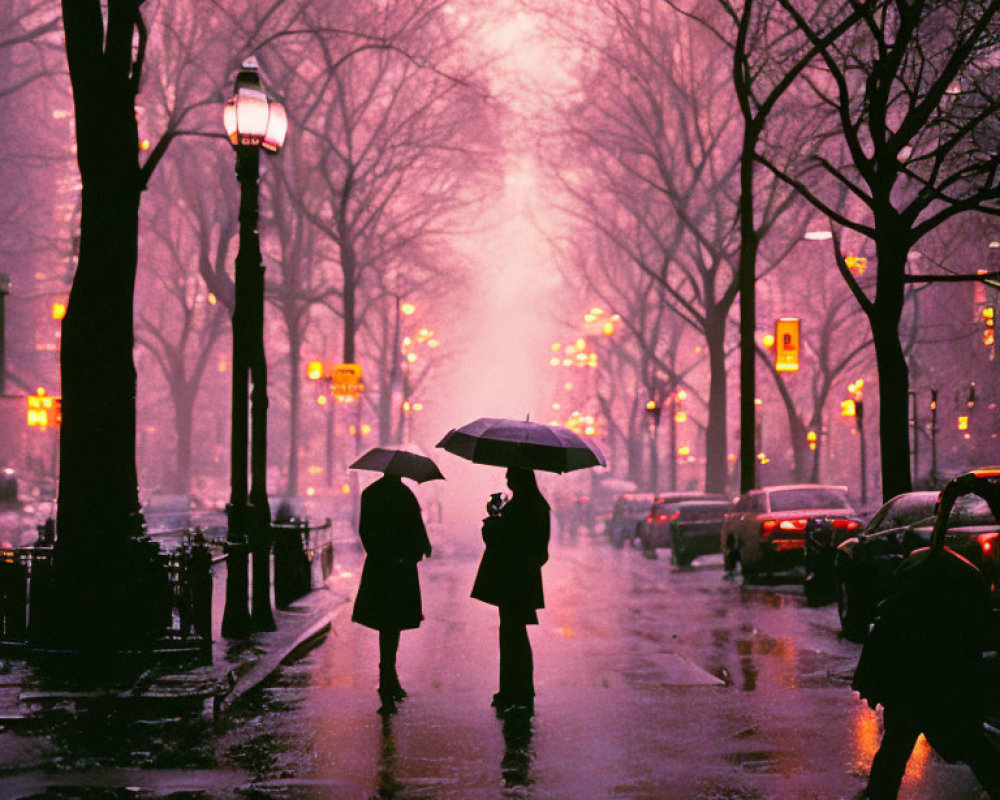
(856, 264)
(988, 320)
(654, 411)
(314, 370)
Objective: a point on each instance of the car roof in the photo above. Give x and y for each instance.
(985, 472)
(670, 497)
(792, 486)
(709, 503)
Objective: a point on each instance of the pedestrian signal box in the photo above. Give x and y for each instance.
(347, 381)
(786, 344)
(44, 411)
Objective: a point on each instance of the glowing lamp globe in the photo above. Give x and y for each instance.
(250, 118)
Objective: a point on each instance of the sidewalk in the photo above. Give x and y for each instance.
(237, 666)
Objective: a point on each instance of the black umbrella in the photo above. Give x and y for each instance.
(519, 443)
(396, 461)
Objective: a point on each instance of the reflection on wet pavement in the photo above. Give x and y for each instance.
(653, 684)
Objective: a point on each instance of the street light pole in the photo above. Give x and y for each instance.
(653, 408)
(673, 440)
(252, 121)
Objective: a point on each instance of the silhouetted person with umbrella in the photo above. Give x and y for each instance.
(510, 577)
(923, 663)
(393, 535)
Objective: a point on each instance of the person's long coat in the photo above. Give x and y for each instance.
(923, 657)
(517, 545)
(393, 535)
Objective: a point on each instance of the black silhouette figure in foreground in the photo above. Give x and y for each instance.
(510, 577)
(393, 535)
(923, 663)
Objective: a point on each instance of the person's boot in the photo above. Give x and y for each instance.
(398, 692)
(388, 702)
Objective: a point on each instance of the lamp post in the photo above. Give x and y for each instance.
(654, 410)
(252, 121)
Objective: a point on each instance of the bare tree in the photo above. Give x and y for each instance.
(910, 94)
(181, 320)
(391, 142)
(666, 146)
(29, 41)
(832, 348)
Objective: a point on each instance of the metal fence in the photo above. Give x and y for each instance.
(183, 595)
(182, 575)
(303, 553)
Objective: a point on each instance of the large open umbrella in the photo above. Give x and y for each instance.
(519, 443)
(401, 462)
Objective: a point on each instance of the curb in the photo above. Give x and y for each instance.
(242, 679)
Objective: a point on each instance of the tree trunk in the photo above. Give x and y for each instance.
(98, 485)
(635, 450)
(893, 373)
(796, 431)
(748, 311)
(184, 405)
(348, 265)
(294, 406)
(715, 431)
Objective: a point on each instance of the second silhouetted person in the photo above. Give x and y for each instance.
(510, 577)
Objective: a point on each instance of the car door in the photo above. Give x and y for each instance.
(733, 521)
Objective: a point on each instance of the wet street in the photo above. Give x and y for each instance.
(652, 682)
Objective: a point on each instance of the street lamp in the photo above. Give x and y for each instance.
(252, 121)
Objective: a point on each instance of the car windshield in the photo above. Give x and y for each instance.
(809, 497)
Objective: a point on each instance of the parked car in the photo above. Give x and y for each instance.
(629, 510)
(765, 532)
(695, 530)
(865, 563)
(656, 530)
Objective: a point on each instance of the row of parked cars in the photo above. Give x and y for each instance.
(784, 528)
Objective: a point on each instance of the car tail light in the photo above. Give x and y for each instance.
(846, 524)
(988, 542)
(667, 517)
(769, 526)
